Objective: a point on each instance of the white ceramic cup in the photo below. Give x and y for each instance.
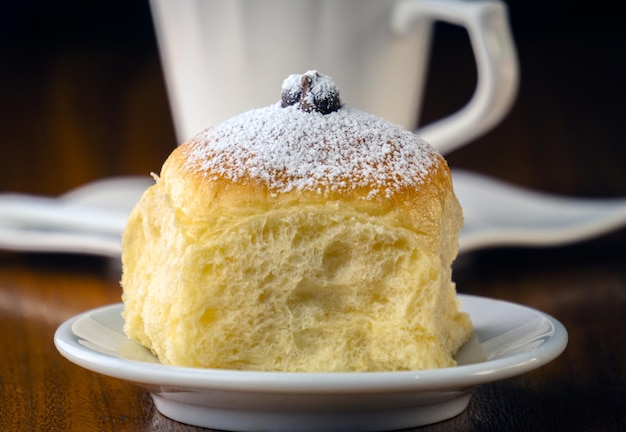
(223, 57)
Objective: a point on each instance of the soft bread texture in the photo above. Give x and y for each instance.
(239, 273)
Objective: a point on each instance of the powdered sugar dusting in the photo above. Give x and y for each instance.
(289, 149)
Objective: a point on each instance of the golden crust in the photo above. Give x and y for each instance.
(187, 184)
(426, 208)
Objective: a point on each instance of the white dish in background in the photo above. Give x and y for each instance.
(29, 240)
(501, 214)
(509, 340)
(87, 220)
(91, 219)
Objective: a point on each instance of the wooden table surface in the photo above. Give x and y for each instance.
(83, 98)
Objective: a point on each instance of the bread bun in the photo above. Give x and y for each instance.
(287, 239)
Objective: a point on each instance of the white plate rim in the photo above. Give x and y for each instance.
(551, 345)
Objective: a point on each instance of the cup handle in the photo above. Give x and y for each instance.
(496, 60)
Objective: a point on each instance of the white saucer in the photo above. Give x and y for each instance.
(91, 219)
(509, 340)
(87, 220)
